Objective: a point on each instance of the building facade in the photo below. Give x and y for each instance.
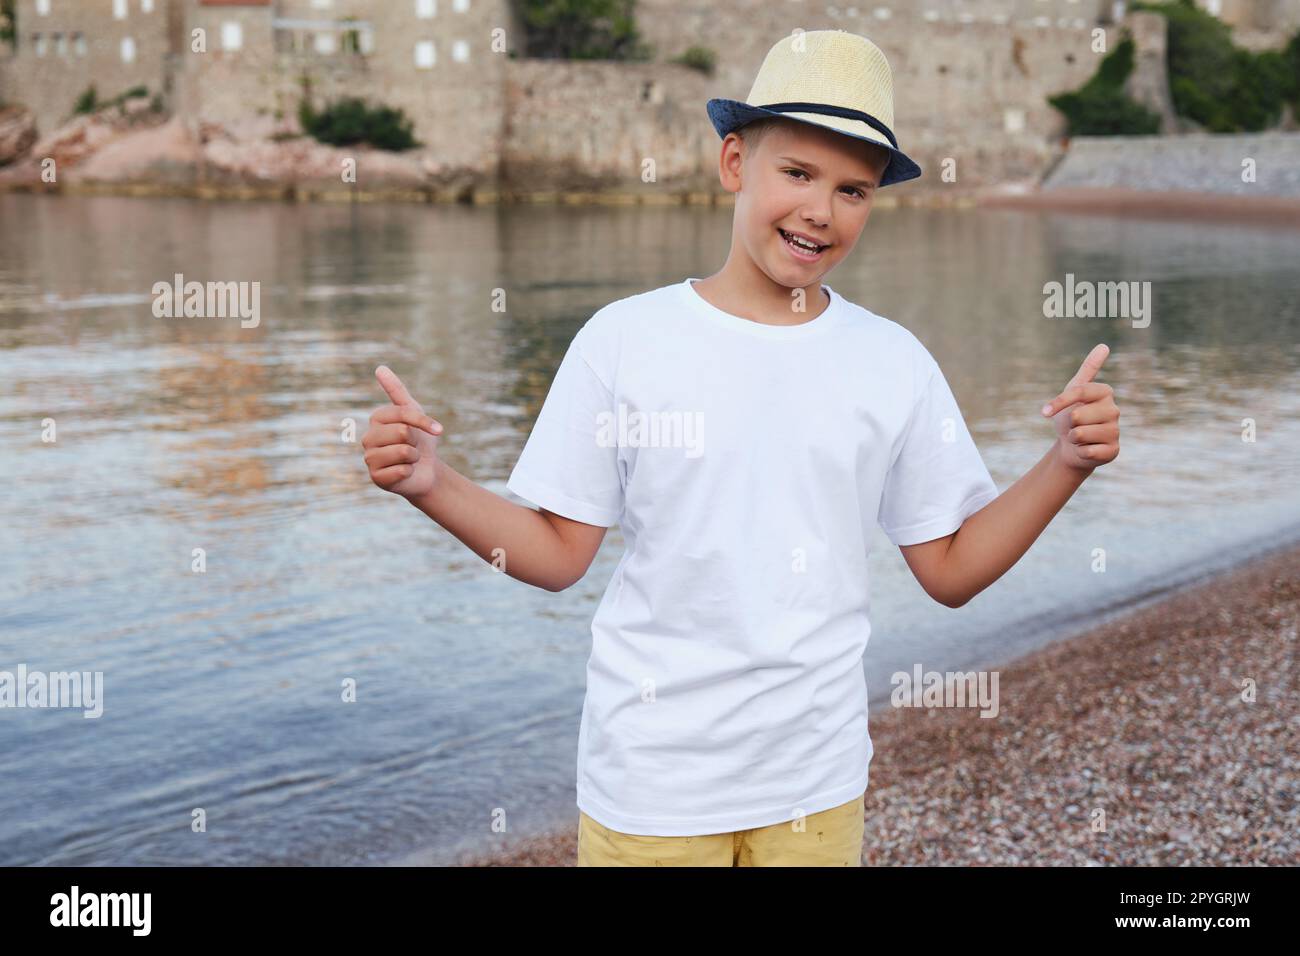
(63, 47)
(971, 76)
(441, 61)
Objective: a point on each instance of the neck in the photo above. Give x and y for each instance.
(742, 288)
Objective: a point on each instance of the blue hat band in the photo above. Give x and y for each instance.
(826, 110)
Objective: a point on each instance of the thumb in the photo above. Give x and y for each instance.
(391, 384)
(1091, 365)
(1087, 372)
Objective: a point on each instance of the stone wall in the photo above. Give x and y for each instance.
(559, 135)
(971, 80)
(443, 70)
(1149, 82)
(973, 92)
(225, 71)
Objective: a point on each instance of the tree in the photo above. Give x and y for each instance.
(582, 29)
(1101, 107)
(1215, 83)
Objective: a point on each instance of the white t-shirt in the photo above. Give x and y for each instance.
(747, 465)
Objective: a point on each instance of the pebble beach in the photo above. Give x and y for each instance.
(1166, 737)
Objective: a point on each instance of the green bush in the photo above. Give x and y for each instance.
(89, 101)
(698, 58)
(1101, 107)
(582, 30)
(349, 121)
(1291, 58)
(1105, 112)
(1117, 66)
(1257, 96)
(86, 102)
(1213, 82)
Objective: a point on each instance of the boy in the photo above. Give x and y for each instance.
(748, 431)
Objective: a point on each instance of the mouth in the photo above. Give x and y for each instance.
(800, 249)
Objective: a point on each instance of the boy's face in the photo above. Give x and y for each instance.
(803, 179)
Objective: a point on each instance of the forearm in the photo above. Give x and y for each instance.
(992, 540)
(519, 540)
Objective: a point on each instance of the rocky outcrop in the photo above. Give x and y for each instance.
(82, 137)
(17, 133)
(286, 158)
(259, 156)
(168, 155)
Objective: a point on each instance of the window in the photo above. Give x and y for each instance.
(424, 56)
(42, 8)
(38, 43)
(425, 9)
(79, 44)
(146, 6)
(460, 51)
(60, 44)
(232, 35)
(460, 6)
(322, 4)
(128, 50)
(325, 43)
(119, 9)
(357, 40)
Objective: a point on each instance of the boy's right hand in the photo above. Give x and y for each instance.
(401, 447)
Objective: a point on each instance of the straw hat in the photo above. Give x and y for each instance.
(829, 78)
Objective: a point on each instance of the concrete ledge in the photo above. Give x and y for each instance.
(1170, 204)
(1194, 162)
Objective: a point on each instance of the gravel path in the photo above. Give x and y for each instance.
(1142, 720)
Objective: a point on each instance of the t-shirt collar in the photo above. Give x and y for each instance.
(828, 317)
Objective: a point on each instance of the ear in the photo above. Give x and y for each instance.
(730, 162)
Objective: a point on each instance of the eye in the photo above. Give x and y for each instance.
(853, 189)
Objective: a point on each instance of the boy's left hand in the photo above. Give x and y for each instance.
(1086, 417)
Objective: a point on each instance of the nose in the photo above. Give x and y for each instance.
(817, 212)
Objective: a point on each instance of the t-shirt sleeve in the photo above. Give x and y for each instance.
(938, 479)
(568, 465)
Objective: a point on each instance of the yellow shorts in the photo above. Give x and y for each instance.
(828, 838)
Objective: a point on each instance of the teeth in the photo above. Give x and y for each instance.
(811, 246)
